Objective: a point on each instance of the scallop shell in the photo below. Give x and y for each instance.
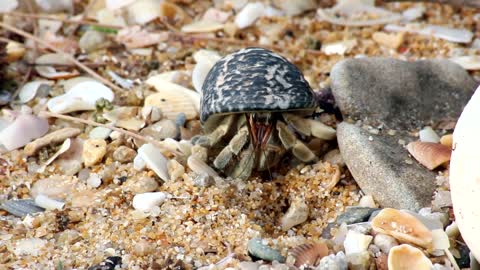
(406, 257)
(309, 254)
(173, 99)
(403, 227)
(430, 155)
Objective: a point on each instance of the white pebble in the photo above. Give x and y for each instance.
(138, 163)
(148, 201)
(367, 201)
(154, 160)
(99, 133)
(385, 242)
(356, 242)
(94, 180)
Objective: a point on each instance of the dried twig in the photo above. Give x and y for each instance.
(121, 130)
(71, 58)
(457, 3)
(64, 65)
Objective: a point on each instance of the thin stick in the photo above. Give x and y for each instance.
(121, 130)
(71, 58)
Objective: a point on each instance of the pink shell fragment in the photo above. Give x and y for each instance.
(22, 130)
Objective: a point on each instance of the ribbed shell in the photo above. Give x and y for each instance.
(254, 79)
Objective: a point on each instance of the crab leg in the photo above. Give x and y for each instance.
(309, 127)
(233, 148)
(217, 134)
(290, 141)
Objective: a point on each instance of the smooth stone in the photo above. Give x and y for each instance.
(333, 262)
(99, 133)
(91, 40)
(141, 185)
(259, 250)
(124, 154)
(385, 242)
(359, 260)
(355, 214)
(162, 129)
(203, 180)
(93, 151)
(378, 165)
(400, 94)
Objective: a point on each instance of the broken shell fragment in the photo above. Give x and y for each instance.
(406, 257)
(172, 103)
(21, 131)
(44, 70)
(81, 97)
(200, 167)
(430, 155)
(296, 214)
(356, 242)
(48, 203)
(403, 226)
(51, 138)
(154, 159)
(309, 254)
(148, 201)
(29, 90)
(21, 208)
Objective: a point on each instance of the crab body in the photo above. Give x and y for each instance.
(257, 101)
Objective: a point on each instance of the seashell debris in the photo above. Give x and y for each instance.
(48, 203)
(309, 254)
(81, 97)
(203, 26)
(49, 71)
(29, 90)
(154, 159)
(403, 227)
(427, 134)
(407, 257)
(21, 208)
(356, 242)
(430, 155)
(259, 249)
(296, 214)
(22, 130)
(249, 14)
(51, 138)
(451, 34)
(148, 201)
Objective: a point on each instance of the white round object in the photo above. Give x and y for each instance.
(465, 174)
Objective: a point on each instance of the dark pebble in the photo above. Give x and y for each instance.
(108, 264)
(355, 214)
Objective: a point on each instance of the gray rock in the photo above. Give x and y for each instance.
(378, 165)
(385, 242)
(258, 249)
(399, 94)
(162, 129)
(355, 214)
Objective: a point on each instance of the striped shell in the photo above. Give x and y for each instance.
(251, 80)
(309, 254)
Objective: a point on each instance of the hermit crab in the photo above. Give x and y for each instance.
(255, 107)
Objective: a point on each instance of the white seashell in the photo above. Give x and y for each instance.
(124, 83)
(144, 11)
(468, 62)
(64, 148)
(205, 60)
(406, 257)
(173, 99)
(340, 47)
(22, 130)
(249, 14)
(447, 33)
(149, 201)
(94, 180)
(295, 7)
(200, 167)
(465, 174)
(356, 242)
(204, 55)
(47, 203)
(70, 83)
(29, 90)
(49, 71)
(427, 134)
(440, 240)
(202, 26)
(80, 98)
(154, 160)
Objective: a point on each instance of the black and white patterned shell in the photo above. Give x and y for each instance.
(252, 80)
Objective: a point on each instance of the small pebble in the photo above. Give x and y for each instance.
(148, 201)
(180, 120)
(124, 154)
(367, 201)
(427, 134)
(200, 152)
(296, 214)
(91, 40)
(248, 265)
(93, 151)
(162, 129)
(99, 133)
(334, 262)
(355, 214)
(249, 14)
(259, 250)
(385, 242)
(203, 180)
(359, 261)
(356, 242)
(94, 180)
(393, 41)
(175, 169)
(141, 185)
(154, 160)
(108, 264)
